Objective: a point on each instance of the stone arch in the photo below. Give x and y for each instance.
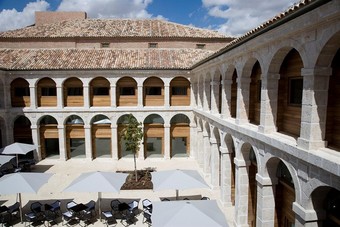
(154, 136)
(73, 92)
(180, 136)
(75, 137)
(49, 137)
(127, 92)
(180, 91)
(100, 91)
(20, 93)
(46, 92)
(153, 91)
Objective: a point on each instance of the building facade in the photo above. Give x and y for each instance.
(259, 113)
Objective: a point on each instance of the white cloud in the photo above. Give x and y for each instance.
(12, 19)
(108, 8)
(242, 16)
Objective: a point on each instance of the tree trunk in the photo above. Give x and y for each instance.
(134, 159)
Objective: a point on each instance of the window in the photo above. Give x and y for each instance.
(75, 91)
(100, 91)
(48, 91)
(105, 45)
(295, 91)
(21, 91)
(127, 91)
(153, 91)
(200, 46)
(179, 90)
(153, 45)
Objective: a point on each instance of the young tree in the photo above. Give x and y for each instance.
(132, 134)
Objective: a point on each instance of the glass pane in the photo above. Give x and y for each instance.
(52, 148)
(48, 91)
(103, 147)
(153, 91)
(127, 91)
(21, 91)
(295, 93)
(77, 147)
(100, 91)
(124, 152)
(154, 147)
(179, 91)
(179, 147)
(75, 91)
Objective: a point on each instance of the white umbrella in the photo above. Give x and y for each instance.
(97, 182)
(23, 183)
(18, 148)
(177, 179)
(184, 213)
(5, 159)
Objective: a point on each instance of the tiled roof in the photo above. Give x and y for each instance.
(66, 59)
(112, 28)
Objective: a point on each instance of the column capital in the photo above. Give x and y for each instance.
(318, 71)
(306, 215)
(271, 76)
(264, 181)
(241, 163)
(224, 150)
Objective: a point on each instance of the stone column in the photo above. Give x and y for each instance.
(167, 141)
(140, 96)
(200, 148)
(207, 154)
(193, 95)
(226, 98)
(314, 107)
(36, 141)
(269, 94)
(60, 97)
(215, 99)
(226, 176)
(265, 208)
(241, 193)
(304, 217)
(7, 95)
(86, 96)
(193, 139)
(88, 142)
(113, 96)
(242, 100)
(166, 96)
(199, 95)
(114, 142)
(215, 163)
(62, 142)
(33, 97)
(207, 101)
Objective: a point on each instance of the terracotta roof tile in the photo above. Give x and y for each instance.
(112, 28)
(59, 59)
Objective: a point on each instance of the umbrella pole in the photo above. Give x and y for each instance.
(100, 209)
(17, 160)
(20, 208)
(176, 194)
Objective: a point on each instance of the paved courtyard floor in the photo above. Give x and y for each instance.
(66, 171)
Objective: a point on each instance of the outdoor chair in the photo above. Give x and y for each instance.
(109, 219)
(34, 219)
(115, 207)
(147, 205)
(205, 198)
(69, 216)
(52, 211)
(10, 213)
(128, 219)
(165, 200)
(147, 217)
(89, 213)
(133, 207)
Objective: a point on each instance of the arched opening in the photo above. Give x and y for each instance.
(101, 136)
(290, 95)
(122, 151)
(252, 196)
(180, 136)
(153, 92)
(73, 92)
(127, 92)
(20, 93)
(46, 92)
(284, 197)
(233, 104)
(75, 137)
(255, 94)
(154, 136)
(180, 92)
(100, 92)
(22, 133)
(49, 137)
(333, 107)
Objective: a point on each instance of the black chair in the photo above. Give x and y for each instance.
(133, 207)
(128, 219)
(205, 198)
(147, 217)
(109, 219)
(88, 215)
(147, 205)
(115, 207)
(9, 214)
(52, 212)
(165, 200)
(69, 216)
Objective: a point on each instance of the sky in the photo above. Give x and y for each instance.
(230, 17)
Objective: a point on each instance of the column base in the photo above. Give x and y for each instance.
(311, 145)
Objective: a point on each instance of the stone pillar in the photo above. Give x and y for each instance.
(167, 141)
(114, 142)
(193, 139)
(206, 103)
(200, 147)
(88, 142)
(215, 99)
(226, 176)
(215, 163)
(36, 141)
(113, 96)
(304, 217)
(269, 94)
(60, 97)
(193, 95)
(199, 95)
(207, 154)
(140, 97)
(166, 96)
(265, 208)
(86, 96)
(314, 108)
(7, 95)
(242, 100)
(241, 193)
(33, 97)
(226, 104)
(62, 142)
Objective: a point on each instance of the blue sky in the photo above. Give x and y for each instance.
(231, 17)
